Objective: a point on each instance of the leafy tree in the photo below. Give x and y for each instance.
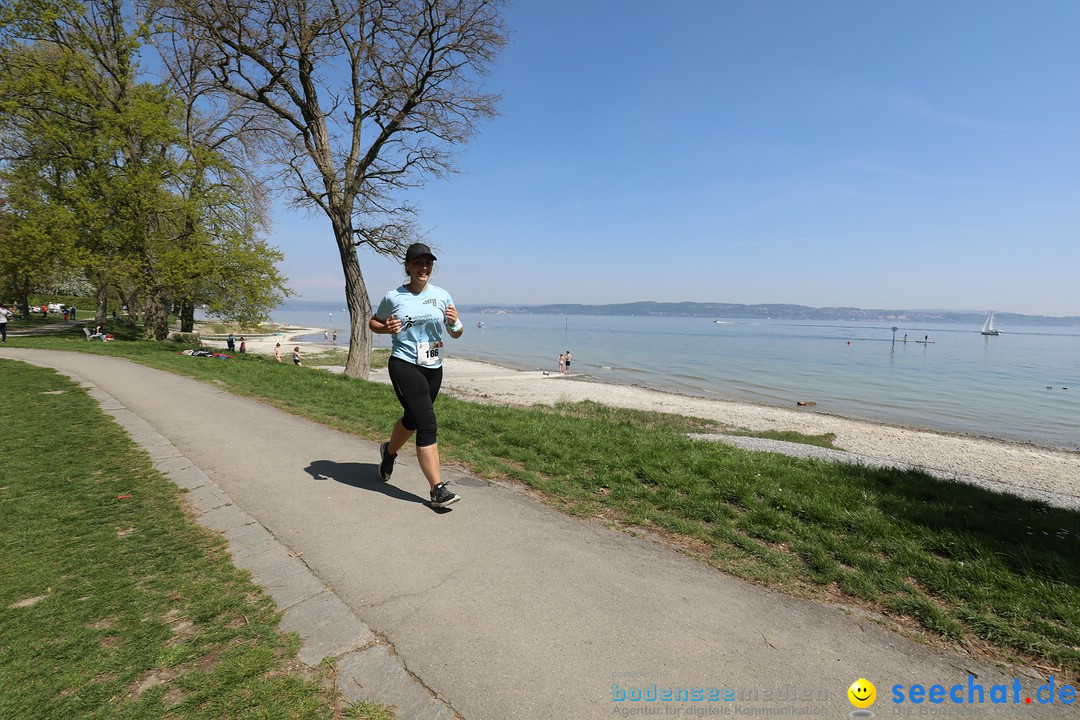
(355, 102)
(36, 229)
(100, 136)
(151, 226)
(229, 269)
(34, 245)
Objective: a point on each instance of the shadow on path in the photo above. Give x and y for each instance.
(52, 328)
(359, 475)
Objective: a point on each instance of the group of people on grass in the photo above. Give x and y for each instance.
(230, 342)
(68, 311)
(100, 334)
(7, 312)
(297, 360)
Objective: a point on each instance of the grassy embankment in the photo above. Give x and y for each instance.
(994, 573)
(113, 603)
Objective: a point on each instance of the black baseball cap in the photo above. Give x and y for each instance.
(418, 250)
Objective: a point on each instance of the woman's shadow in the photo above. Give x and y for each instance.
(359, 475)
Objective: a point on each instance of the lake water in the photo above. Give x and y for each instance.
(1010, 386)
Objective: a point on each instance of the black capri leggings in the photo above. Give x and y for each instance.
(416, 388)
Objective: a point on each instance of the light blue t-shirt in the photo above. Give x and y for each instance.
(422, 317)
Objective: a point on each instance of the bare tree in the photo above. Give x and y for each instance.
(357, 101)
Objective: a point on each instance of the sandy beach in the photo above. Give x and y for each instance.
(1023, 469)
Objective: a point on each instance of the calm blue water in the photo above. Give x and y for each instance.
(962, 382)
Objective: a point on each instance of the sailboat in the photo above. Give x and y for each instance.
(988, 327)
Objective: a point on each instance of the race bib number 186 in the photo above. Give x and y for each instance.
(428, 353)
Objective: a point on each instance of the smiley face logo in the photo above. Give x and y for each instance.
(862, 693)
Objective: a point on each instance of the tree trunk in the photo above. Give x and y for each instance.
(156, 318)
(187, 316)
(129, 305)
(358, 365)
(20, 291)
(102, 301)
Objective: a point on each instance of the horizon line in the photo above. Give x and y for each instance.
(717, 302)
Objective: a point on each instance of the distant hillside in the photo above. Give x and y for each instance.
(777, 311)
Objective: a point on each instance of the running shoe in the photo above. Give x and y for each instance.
(386, 462)
(441, 497)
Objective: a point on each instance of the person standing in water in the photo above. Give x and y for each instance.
(416, 314)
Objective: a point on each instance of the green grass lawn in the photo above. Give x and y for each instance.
(113, 603)
(963, 566)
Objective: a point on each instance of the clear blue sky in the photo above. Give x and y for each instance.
(871, 154)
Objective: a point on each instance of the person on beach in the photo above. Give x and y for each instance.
(415, 315)
(296, 357)
(277, 352)
(243, 345)
(335, 337)
(562, 363)
(567, 362)
(231, 343)
(325, 337)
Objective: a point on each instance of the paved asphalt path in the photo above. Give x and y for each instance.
(503, 608)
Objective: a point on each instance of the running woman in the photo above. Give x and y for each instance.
(415, 314)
